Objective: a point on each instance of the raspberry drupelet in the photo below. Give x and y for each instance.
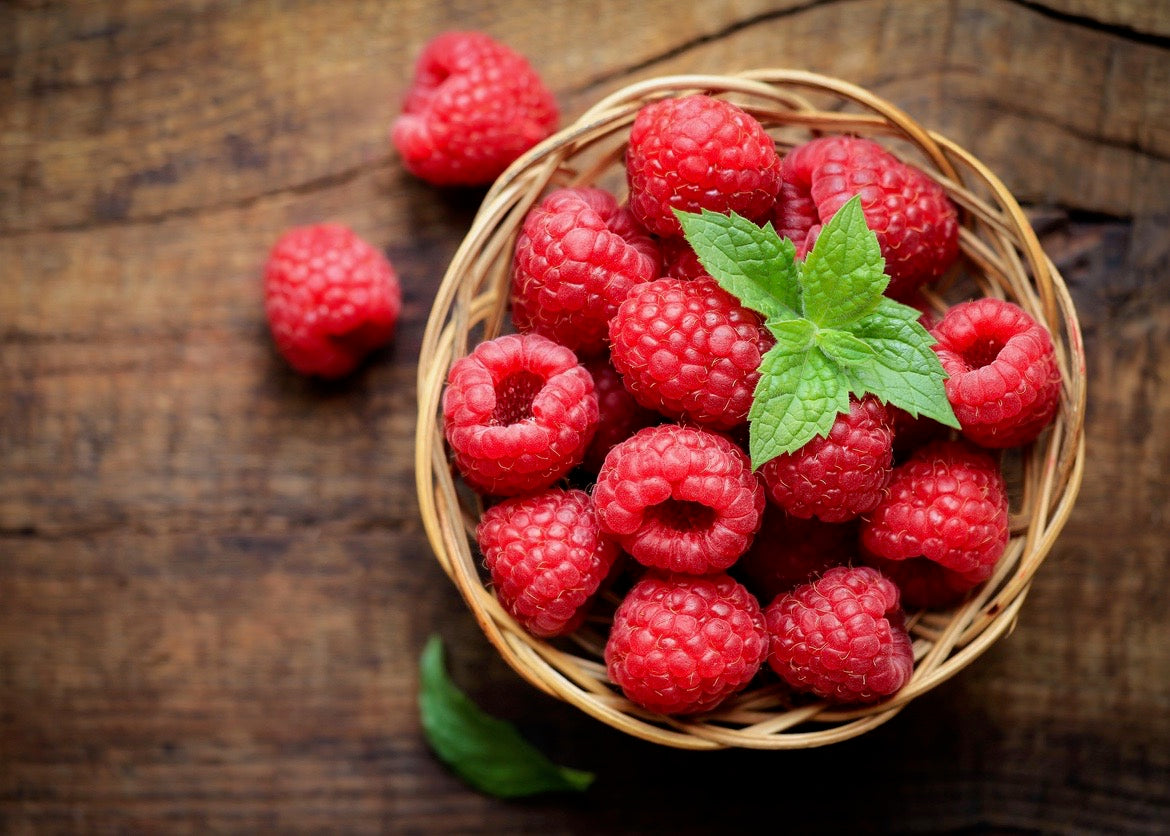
(519, 413)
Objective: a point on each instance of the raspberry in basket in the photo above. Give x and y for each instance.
(948, 503)
(682, 644)
(619, 415)
(916, 224)
(789, 551)
(547, 558)
(518, 412)
(577, 257)
(1004, 383)
(679, 498)
(689, 350)
(330, 297)
(473, 106)
(923, 582)
(841, 636)
(840, 476)
(699, 152)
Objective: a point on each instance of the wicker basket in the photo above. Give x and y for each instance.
(1001, 257)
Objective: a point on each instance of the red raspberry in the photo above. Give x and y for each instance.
(840, 476)
(680, 260)
(689, 350)
(518, 412)
(841, 636)
(947, 502)
(789, 551)
(330, 297)
(473, 106)
(620, 416)
(577, 257)
(1004, 383)
(547, 557)
(916, 224)
(699, 152)
(924, 583)
(679, 498)
(682, 644)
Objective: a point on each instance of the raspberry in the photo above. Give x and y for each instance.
(620, 416)
(1004, 383)
(788, 551)
(680, 260)
(841, 636)
(330, 297)
(518, 412)
(689, 350)
(682, 644)
(473, 106)
(839, 476)
(577, 257)
(679, 498)
(923, 582)
(947, 502)
(916, 224)
(547, 558)
(699, 152)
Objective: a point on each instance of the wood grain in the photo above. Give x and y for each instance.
(213, 581)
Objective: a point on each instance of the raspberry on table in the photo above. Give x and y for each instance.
(473, 106)
(840, 476)
(689, 350)
(619, 415)
(682, 644)
(924, 583)
(547, 557)
(519, 413)
(789, 551)
(841, 637)
(330, 298)
(577, 256)
(1004, 384)
(948, 503)
(679, 498)
(916, 224)
(699, 152)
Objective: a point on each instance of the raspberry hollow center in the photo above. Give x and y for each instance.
(682, 515)
(514, 397)
(983, 352)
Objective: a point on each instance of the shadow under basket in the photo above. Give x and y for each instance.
(1001, 257)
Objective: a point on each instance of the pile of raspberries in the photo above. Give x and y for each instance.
(606, 436)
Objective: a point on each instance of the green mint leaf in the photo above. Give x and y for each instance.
(843, 347)
(798, 396)
(843, 276)
(904, 370)
(752, 263)
(488, 753)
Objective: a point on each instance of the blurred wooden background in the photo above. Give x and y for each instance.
(214, 584)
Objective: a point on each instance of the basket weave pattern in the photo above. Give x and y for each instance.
(1001, 256)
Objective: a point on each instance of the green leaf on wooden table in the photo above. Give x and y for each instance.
(836, 333)
(488, 753)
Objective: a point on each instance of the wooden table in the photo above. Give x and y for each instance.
(214, 583)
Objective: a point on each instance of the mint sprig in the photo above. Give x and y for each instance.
(836, 334)
(488, 753)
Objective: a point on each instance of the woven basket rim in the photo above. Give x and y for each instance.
(999, 247)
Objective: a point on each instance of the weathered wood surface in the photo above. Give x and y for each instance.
(213, 581)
